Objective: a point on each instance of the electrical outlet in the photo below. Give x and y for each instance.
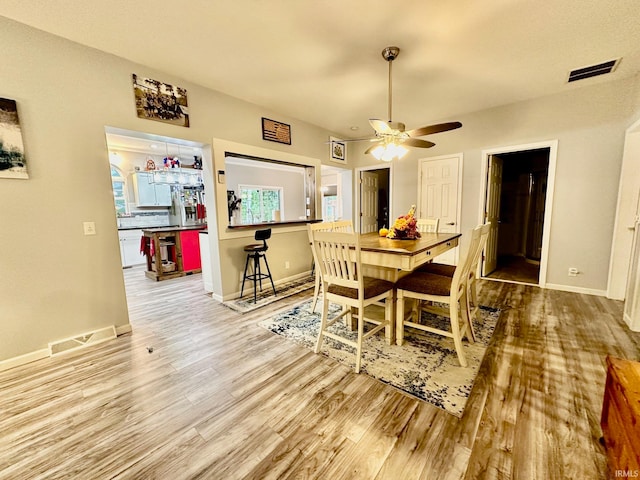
(89, 228)
(573, 272)
(287, 265)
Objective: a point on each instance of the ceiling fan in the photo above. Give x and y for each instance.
(391, 137)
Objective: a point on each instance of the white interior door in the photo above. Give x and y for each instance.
(439, 184)
(632, 297)
(492, 213)
(368, 202)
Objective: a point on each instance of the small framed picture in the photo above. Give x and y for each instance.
(338, 150)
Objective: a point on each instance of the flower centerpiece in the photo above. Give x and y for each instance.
(405, 226)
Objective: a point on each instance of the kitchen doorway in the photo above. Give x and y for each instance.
(517, 200)
(157, 182)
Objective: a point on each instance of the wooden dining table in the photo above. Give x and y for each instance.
(391, 259)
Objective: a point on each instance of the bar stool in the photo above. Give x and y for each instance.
(256, 251)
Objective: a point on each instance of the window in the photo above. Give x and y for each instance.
(259, 203)
(119, 190)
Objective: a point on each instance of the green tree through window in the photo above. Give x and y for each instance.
(259, 202)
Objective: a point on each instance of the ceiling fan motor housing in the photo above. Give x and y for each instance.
(390, 53)
(399, 126)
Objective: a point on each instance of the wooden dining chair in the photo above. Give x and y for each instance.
(452, 291)
(340, 266)
(335, 226)
(448, 270)
(426, 225)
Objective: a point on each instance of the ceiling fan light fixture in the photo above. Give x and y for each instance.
(392, 136)
(389, 151)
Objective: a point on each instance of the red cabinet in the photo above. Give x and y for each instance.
(190, 247)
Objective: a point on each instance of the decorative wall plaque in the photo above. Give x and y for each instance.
(276, 131)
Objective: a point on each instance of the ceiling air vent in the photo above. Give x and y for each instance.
(593, 70)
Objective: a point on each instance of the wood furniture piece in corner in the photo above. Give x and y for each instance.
(620, 419)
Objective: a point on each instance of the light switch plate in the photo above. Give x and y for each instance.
(89, 228)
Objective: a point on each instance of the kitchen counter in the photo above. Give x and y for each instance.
(173, 228)
(247, 226)
(122, 229)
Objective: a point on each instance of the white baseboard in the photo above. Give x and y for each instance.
(44, 353)
(23, 359)
(124, 329)
(569, 288)
(217, 297)
(249, 288)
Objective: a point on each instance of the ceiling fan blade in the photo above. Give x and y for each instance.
(416, 142)
(363, 139)
(346, 140)
(368, 150)
(380, 126)
(440, 127)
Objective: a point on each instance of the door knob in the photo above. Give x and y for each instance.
(451, 223)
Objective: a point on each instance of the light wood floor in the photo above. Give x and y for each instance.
(221, 398)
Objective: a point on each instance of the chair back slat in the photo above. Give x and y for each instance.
(345, 226)
(461, 274)
(484, 235)
(427, 225)
(338, 256)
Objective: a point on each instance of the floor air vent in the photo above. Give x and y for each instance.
(593, 70)
(81, 341)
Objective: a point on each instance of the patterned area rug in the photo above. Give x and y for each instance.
(425, 367)
(265, 297)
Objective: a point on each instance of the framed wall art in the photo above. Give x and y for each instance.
(338, 151)
(13, 163)
(161, 101)
(276, 131)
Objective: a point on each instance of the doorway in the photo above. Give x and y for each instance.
(146, 195)
(337, 197)
(517, 202)
(374, 193)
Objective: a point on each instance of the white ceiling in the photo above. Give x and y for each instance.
(320, 61)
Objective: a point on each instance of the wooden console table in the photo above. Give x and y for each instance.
(620, 419)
